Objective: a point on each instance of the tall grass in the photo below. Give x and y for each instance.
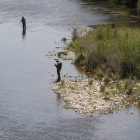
(118, 50)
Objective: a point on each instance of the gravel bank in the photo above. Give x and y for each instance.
(86, 99)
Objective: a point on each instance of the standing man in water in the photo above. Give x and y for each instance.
(23, 20)
(58, 66)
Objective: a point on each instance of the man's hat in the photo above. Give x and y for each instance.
(56, 60)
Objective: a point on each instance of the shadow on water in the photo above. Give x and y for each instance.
(119, 15)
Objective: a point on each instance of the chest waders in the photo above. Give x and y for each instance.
(59, 66)
(58, 74)
(23, 20)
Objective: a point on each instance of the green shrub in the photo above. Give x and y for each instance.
(118, 85)
(67, 107)
(95, 77)
(106, 98)
(103, 67)
(64, 40)
(71, 87)
(115, 76)
(74, 45)
(128, 84)
(99, 72)
(59, 53)
(100, 33)
(80, 59)
(90, 82)
(107, 93)
(115, 51)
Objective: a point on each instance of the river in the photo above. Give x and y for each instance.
(29, 110)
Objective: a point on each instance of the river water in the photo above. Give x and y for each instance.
(29, 110)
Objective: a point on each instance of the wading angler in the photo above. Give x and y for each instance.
(58, 66)
(23, 20)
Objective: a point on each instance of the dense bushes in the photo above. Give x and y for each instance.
(114, 52)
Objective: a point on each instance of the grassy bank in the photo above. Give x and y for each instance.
(111, 52)
(112, 56)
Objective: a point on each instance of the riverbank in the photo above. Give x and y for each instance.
(104, 92)
(67, 54)
(89, 95)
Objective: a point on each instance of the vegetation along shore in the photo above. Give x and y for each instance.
(112, 56)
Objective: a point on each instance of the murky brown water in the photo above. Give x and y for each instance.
(29, 110)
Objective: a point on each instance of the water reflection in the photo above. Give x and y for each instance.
(23, 33)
